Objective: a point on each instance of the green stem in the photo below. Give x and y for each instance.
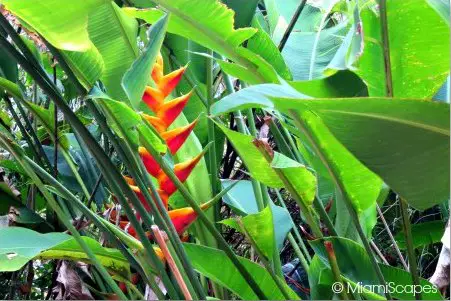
(298, 252)
(212, 155)
(295, 229)
(407, 228)
(392, 239)
(319, 208)
(335, 269)
(22, 129)
(386, 48)
(290, 27)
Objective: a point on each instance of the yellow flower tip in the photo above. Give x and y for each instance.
(129, 180)
(156, 122)
(168, 82)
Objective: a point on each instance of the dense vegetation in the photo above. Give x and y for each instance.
(193, 149)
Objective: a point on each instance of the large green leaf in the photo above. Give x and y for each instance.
(241, 199)
(87, 66)
(341, 84)
(419, 47)
(301, 179)
(114, 35)
(355, 181)
(19, 245)
(320, 280)
(280, 13)
(262, 44)
(259, 226)
(308, 55)
(244, 11)
(423, 234)
(136, 78)
(441, 7)
(405, 141)
(215, 265)
(258, 166)
(355, 265)
(64, 26)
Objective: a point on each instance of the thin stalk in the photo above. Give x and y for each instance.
(62, 216)
(298, 252)
(407, 228)
(239, 119)
(392, 239)
(290, 27)
(386, 47)
(172, 265)
(275, 261)
(277, 280)
(212, 156)
(33, 135)
(335, 269)
(250, 119)
(55, 131)
(378, 252)
(280, 140)
(295, 229)
(319, 208)
(22, 128)
(205, 220)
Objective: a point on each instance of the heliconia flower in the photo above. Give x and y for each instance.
(165, 113)
(181, 170)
